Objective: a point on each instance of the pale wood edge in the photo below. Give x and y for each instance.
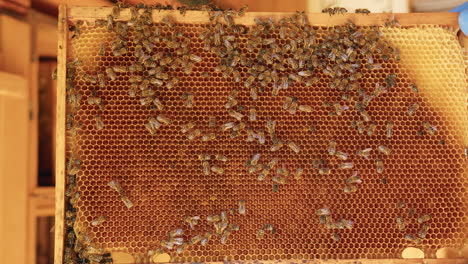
(60, 135)
(76, 13)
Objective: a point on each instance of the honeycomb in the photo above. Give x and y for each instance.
(163, 177)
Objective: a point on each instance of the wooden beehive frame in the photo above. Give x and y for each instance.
(90, 14)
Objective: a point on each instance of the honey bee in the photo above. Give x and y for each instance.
(341, 155)
(102, 49)
(305, 108)
(250, 135)
(389, 129)
(362, 11)
(252, 114)
(135, 67)
(188, 100)
(115, 185)
(243, 10)
(163, 119)
(412, 109)
(126, 201)
(365, 153)
(277, 145)
(350, 188)
(220, 157)
(260, 233)
(346, 165)
(93, 100)
(279, 179)
(328, 10)
(413, 239)
(401, 224)
(99, 220)
(260, 136)
(298, 173)
(365, 115)
(224, 237)
(275, 187)
(187, 127)
(217, 170)
(371, 129)
(167, 244)
(152, 126)
(99, 123)
(213, 218)
(74, 199)
(293, 146)
(206, 167)
(423, 231)
(324, 171)
(430, 129)
(271, 126)
(391, 80)
(332, 147)
(424, 218)
(195, 58)
(227, 126)
(253, 93)
(111, 73)
(360, 126)
(90, 78)
(323, 211)
(384, 150)
(380, 166)
(192, 221)
(414, 88)
(175, 233)
(119, 52)
(209, 137)
(339, 109)
(255, 159)
(231, 103)
(241, 207)
(194, 134)
(101, 80)
(158, 104)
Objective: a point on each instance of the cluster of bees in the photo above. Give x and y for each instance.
(326, 219)
(208, 167)
(223, 228)
(403, 221)
(294, 57)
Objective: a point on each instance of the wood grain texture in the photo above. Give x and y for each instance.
(60, 135)
(447, 19)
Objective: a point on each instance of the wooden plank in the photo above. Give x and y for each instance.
(196, 17)
(46, 34)
(60, 135)
(15, 45)
(13, 169)
(43, 201)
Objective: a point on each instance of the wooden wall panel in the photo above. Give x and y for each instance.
(13, 168)
(15, 45)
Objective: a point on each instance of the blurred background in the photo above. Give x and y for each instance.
(28, 56)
